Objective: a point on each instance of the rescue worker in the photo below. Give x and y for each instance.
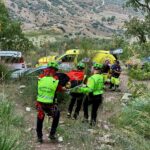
(115, 73)
(94, 86)
(76, 78)
(106, 71)
(47, 86)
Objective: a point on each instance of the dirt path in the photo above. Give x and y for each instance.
(30, 116)
(47, 145)
(111, 98)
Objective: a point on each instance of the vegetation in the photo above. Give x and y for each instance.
(140, 73)
(12, 135)
(11, 36)
(4, 73)
(85, 43)
(130, 124)
(136, 27)
(133, 122)
(108, 19)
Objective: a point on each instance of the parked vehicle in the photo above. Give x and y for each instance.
(35, 72)
(71, 56)
(146, 60)
(44, 60)
(13, 59)
(18, 73)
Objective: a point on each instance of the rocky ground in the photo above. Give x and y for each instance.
(105, 113)
(73, 134)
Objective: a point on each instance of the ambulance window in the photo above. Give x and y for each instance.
(68, 58)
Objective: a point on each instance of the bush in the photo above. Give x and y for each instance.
(30, 92)
(140, 73)
(133, 125)
(137, 116)
(4, 73)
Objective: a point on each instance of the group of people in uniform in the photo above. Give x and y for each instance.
(83, 90)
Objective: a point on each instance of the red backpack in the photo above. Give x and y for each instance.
(76, 75)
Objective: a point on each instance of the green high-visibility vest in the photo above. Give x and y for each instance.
(46, 89)
(95, 85)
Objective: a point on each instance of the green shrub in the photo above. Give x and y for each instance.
(125, 140)
(132, 125)
(140, 73)
(4, 73)
(29, 93)
(137, 89)
(146, 67)
(136, 117)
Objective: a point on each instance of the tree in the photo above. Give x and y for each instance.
(112, 18)
(137, 28)
(11, 36)
(143, 5)
(103, 19)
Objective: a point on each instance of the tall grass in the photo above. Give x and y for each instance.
(132, 124)
(4, 73)
(12, 135)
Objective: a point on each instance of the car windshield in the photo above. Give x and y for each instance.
(36, 69)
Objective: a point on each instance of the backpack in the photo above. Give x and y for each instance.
(63, 78)
(76, 77)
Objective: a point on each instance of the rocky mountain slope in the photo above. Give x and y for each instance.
(86, 17)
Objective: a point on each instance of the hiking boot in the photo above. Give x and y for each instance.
(68, 115)
(52, 137)
(40, 140)
(75, 116)
(93, 123)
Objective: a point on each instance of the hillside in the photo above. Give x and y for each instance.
(87, 17)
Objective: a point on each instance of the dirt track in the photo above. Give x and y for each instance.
(30, 117)
(103, 115)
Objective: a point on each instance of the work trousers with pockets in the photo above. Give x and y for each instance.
(50, 110)
(95, 101)
(78, 99)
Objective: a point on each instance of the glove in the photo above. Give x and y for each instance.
(75, 90)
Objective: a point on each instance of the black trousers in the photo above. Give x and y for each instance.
(50, 111)
(78, 99)
(95, 101)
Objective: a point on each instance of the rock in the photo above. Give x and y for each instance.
(106, 127)
(22, 86)
(60, 139)
(28, 109)
(29, 129)
(21, 92)
(104, 124)
(106, 139)
(60, 146)
(92, 131)
(61, 122)
(126, 96)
